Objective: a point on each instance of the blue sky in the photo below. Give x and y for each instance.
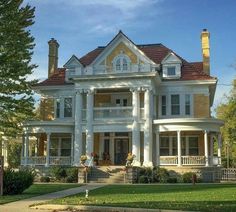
(82, 25)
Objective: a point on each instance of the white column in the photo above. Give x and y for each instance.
(136, 125)
(206, 147)
(211, 149)
(72, 149)
(147, 129)
(219, 149)
(158, 148)
(179, 147)
(89, 126)
(78, 139)
(48, 150)
(26, 148)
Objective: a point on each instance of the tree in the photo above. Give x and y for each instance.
(227, 112)
(16, 50)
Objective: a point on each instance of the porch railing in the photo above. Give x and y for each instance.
(112, 112)
(41, 160)
(168, 160)
(63, 160)
(35, 160)
(193, 160)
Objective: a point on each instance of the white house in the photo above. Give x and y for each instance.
(123, 98)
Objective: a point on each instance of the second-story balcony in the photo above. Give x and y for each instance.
(100, 113)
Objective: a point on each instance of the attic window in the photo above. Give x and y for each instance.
(121, 63)
(171, 71)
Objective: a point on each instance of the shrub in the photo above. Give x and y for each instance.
(146, 175)
(172, 180)
(72, 174)
(15, 182)
(143, 179)
(187, 177)
(59, 173)
(160, 175)
(44, 179)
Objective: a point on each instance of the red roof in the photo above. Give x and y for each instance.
(58, 78)
(156, 52)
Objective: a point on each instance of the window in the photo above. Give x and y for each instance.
(65, 147)
(121, 63)
(193, 145)
(171, 71)
(125, 65)
(60, 147)
(187, 104)
(174, 146)
(175, 107)
(183, 145)
(164, 146)
(118, 63)
(68, 107)
(58, 108)
(163, 105)
(54, 147)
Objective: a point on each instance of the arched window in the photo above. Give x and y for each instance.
(125, 64)
(118, 64)
(121, 63)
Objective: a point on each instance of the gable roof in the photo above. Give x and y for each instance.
(155, 52)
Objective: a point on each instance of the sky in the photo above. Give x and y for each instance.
(81, 25)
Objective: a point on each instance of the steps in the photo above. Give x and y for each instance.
(106, 174)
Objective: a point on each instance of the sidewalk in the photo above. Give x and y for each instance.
(23, 205)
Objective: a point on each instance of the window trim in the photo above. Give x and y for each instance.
(175, 105)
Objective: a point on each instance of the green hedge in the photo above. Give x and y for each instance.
(15, 182)
(65, 174)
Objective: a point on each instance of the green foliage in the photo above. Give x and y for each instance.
(187, 177)
(15, 182)
(16, 50)
(172, 180)
(14, 153)
(227, 112)
(160, 175)
(145, 175)
(45, 179)
(65, 174)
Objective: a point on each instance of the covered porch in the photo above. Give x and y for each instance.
(188, 142)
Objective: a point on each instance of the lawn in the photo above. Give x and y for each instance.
(36, 190)
(200, 197)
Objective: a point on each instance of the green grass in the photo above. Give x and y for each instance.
(36, 190)
(201, 197)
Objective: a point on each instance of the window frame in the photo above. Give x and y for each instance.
(68, 111)
(123, 62)
(172, 105)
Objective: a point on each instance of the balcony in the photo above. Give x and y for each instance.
(112, 113)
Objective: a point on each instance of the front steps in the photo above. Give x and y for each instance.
(106, 174)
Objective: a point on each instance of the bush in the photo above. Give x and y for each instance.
(65, 174)
(161, 175)
(145, 175)
(172, 180)
(59, 173)
(45, 179)
(143, 179)
(187, 177)
(15, 182)
(72, 174)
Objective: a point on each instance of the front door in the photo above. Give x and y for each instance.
(121, 150)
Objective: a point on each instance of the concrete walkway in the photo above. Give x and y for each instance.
(23, 205)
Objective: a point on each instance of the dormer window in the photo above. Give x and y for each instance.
(171, 71)
(121, 63)
(171, 65)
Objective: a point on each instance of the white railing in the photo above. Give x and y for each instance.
(112, 112)
(63, 160)
(168, 160)
(35, 160)
(193, 160)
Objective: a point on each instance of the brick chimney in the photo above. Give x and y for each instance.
(205, 37)
(52, 56)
